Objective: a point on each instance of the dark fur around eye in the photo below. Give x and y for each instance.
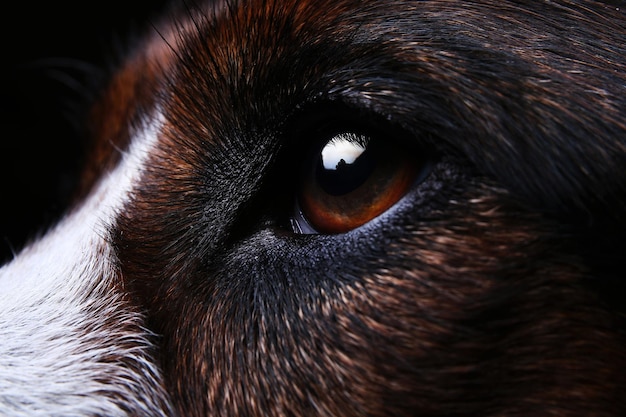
(490, 285)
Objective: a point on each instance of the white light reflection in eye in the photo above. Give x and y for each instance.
(344, 147)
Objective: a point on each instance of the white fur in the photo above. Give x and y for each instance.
(57, 358)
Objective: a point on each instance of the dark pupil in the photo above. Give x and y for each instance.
(344, 164)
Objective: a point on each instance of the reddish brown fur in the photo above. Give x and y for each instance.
(485, 298)
(118, 112)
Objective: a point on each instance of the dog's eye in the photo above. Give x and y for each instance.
(351, 179)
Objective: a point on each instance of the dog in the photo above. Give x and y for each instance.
(339, 208)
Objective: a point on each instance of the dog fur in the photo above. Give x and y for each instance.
(176, 286)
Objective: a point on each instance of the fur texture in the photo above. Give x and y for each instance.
(492, 288)
(73, 344)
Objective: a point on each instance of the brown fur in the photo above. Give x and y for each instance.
(493, 292)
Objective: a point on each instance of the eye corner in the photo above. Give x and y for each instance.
(298, 222)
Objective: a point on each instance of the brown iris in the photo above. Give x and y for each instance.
(353, 179)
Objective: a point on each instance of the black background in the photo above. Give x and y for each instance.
(46, 47)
